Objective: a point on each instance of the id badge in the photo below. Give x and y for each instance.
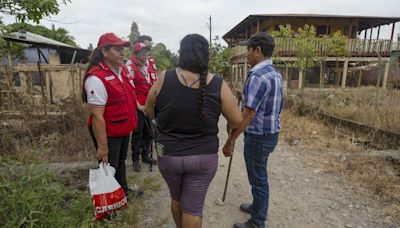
(160, 149)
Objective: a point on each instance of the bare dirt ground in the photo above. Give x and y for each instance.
(300, 195)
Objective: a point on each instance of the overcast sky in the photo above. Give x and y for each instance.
(168, 21)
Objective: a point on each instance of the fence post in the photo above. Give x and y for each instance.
(42, 83)
(9, 76)
(386, 74)
(359, 78)
(50, 86)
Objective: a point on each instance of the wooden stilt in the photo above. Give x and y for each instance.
(300, 79)
(360, 73)
(345, 69)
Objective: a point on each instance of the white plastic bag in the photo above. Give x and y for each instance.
(106, 192)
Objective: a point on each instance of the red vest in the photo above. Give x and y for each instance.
(152, 68)
(120, 110)
(142, 87)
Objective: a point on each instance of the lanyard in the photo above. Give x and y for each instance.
(145, 73)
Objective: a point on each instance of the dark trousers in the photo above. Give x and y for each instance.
(117, 153)
(256, 152)
(140, 140)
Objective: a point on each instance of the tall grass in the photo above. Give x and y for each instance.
(368, 105)
(35, 197)
(56, 138)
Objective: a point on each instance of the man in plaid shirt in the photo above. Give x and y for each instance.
(262, 104)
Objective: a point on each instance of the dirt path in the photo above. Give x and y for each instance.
(300, 196)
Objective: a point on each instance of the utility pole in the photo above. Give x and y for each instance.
(210, 27)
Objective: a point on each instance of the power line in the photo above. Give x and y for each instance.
(61, 21)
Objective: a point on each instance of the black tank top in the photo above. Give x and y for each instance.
(182, 130)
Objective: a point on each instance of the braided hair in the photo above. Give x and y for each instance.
(194, 56)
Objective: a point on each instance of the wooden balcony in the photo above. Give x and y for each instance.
(355, 48)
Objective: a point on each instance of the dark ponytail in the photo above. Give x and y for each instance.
(95, 57)
(194, 56)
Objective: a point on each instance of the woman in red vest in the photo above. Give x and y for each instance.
(110, 96)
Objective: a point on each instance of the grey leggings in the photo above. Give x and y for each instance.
(188, 178)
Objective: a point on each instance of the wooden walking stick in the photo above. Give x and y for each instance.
(222, 201)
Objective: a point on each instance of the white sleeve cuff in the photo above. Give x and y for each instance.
(96, 92)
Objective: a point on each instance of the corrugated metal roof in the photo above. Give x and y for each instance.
(324, 15)
(36, 38)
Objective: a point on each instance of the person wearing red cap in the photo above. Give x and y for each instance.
(151, 63)
(139, 70)
(109, 92)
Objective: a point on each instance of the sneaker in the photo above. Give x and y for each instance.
(148, 160)
(247, 224)
(246, 207)
(136, 166)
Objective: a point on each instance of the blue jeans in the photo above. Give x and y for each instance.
(256, 151)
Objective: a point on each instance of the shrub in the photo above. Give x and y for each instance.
(34, 197)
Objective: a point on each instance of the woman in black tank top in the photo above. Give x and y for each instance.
(187, 102)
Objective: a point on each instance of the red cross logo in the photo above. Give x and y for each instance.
(92, 92)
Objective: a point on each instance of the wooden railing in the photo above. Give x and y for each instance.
(285, 47)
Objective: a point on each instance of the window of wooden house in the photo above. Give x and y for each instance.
(346, 30)
(353, 31)
(322, 30)
(17, 79)
(36, 79)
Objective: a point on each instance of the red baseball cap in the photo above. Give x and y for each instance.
(139, 46)
(111, 39)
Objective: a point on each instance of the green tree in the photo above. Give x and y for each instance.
(163, 57)
(62, 35)
(321, 57)
(134, 34)
(219, 58)
(26, 10)
(282, 38)
(30, 10)
(336, 46)
(305, 40)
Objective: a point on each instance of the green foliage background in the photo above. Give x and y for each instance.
(219, 58)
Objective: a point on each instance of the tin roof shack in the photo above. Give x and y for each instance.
(50, 70)
(363, 53)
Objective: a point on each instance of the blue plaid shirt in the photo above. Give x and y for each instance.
(263, 93)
